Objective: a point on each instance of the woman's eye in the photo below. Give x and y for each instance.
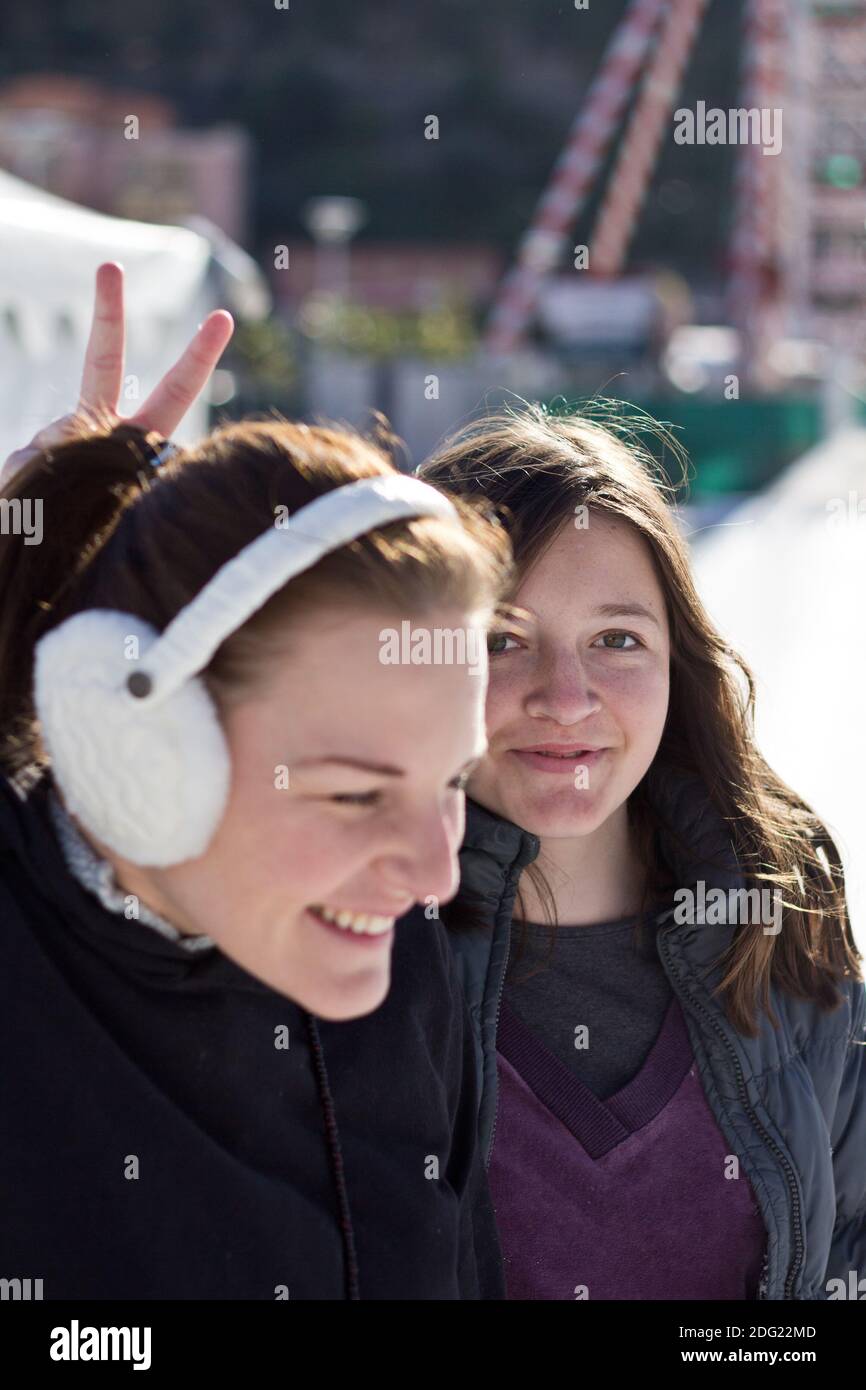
(494, 638)
(615, 641)
(458, 783)
(356, 798)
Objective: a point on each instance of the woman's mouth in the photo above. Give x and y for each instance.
(559, 758)
(364, 928)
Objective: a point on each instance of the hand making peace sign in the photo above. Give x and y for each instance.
(102, 379)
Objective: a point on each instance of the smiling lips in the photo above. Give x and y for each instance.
(559, 757)
(356, 924)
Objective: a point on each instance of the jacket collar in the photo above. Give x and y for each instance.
(493, 853)
(97, 876)
(698, 842)
(504, 841)
(35, 867)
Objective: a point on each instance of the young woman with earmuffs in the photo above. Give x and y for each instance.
(216, 802)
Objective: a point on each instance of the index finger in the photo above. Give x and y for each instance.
(173, 396)
(102, 377)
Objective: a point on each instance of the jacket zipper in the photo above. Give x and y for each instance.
(522, 858)
(495, 1035)
(698, 1007)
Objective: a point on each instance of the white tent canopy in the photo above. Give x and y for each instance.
(49, 252)
(784, 577)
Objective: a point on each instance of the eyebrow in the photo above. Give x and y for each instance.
(626, 610)
(613, 610)
(382, 769)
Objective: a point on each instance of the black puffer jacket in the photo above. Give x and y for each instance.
(791, 1103)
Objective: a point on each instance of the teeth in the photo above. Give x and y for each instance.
(360, 923)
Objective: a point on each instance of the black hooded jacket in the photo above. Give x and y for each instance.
(156, 1142)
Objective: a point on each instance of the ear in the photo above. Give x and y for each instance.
(148, 777)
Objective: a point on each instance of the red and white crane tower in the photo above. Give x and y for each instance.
(794, 61)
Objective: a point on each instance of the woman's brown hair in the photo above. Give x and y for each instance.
(536, 468)
(118, 533)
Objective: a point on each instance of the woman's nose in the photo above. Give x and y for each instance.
(426, 864)
(563, 691)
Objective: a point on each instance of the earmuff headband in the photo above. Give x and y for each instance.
(242, 585)
(142, 758)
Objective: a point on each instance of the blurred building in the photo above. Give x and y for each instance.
(837, 281)
(119, 151)
(394, 276)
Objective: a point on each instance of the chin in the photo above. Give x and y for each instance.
(560, 814)
(340, 1001)
(561, 824)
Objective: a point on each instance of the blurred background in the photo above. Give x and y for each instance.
(430, 210)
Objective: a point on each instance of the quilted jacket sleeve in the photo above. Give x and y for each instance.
(848, 1137)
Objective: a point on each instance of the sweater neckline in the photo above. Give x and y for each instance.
(599, 1125)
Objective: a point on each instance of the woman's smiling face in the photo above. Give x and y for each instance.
(346, 794)
(592, 673)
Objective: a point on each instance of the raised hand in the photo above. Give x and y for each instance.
(102, 377)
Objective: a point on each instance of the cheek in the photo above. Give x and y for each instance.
(308, 854)
(637, 697)
(269, 843)
(503, 699)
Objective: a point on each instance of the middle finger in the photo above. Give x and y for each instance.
(172, 397)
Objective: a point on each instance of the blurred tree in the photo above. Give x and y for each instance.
(440, 331)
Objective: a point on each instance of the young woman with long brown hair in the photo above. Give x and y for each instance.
(651, 927)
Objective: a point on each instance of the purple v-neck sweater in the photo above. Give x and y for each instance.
(628, 1198)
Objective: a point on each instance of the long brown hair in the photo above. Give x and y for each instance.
(120, 534)
(537, 468)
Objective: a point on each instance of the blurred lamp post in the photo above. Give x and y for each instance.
(332, 222)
